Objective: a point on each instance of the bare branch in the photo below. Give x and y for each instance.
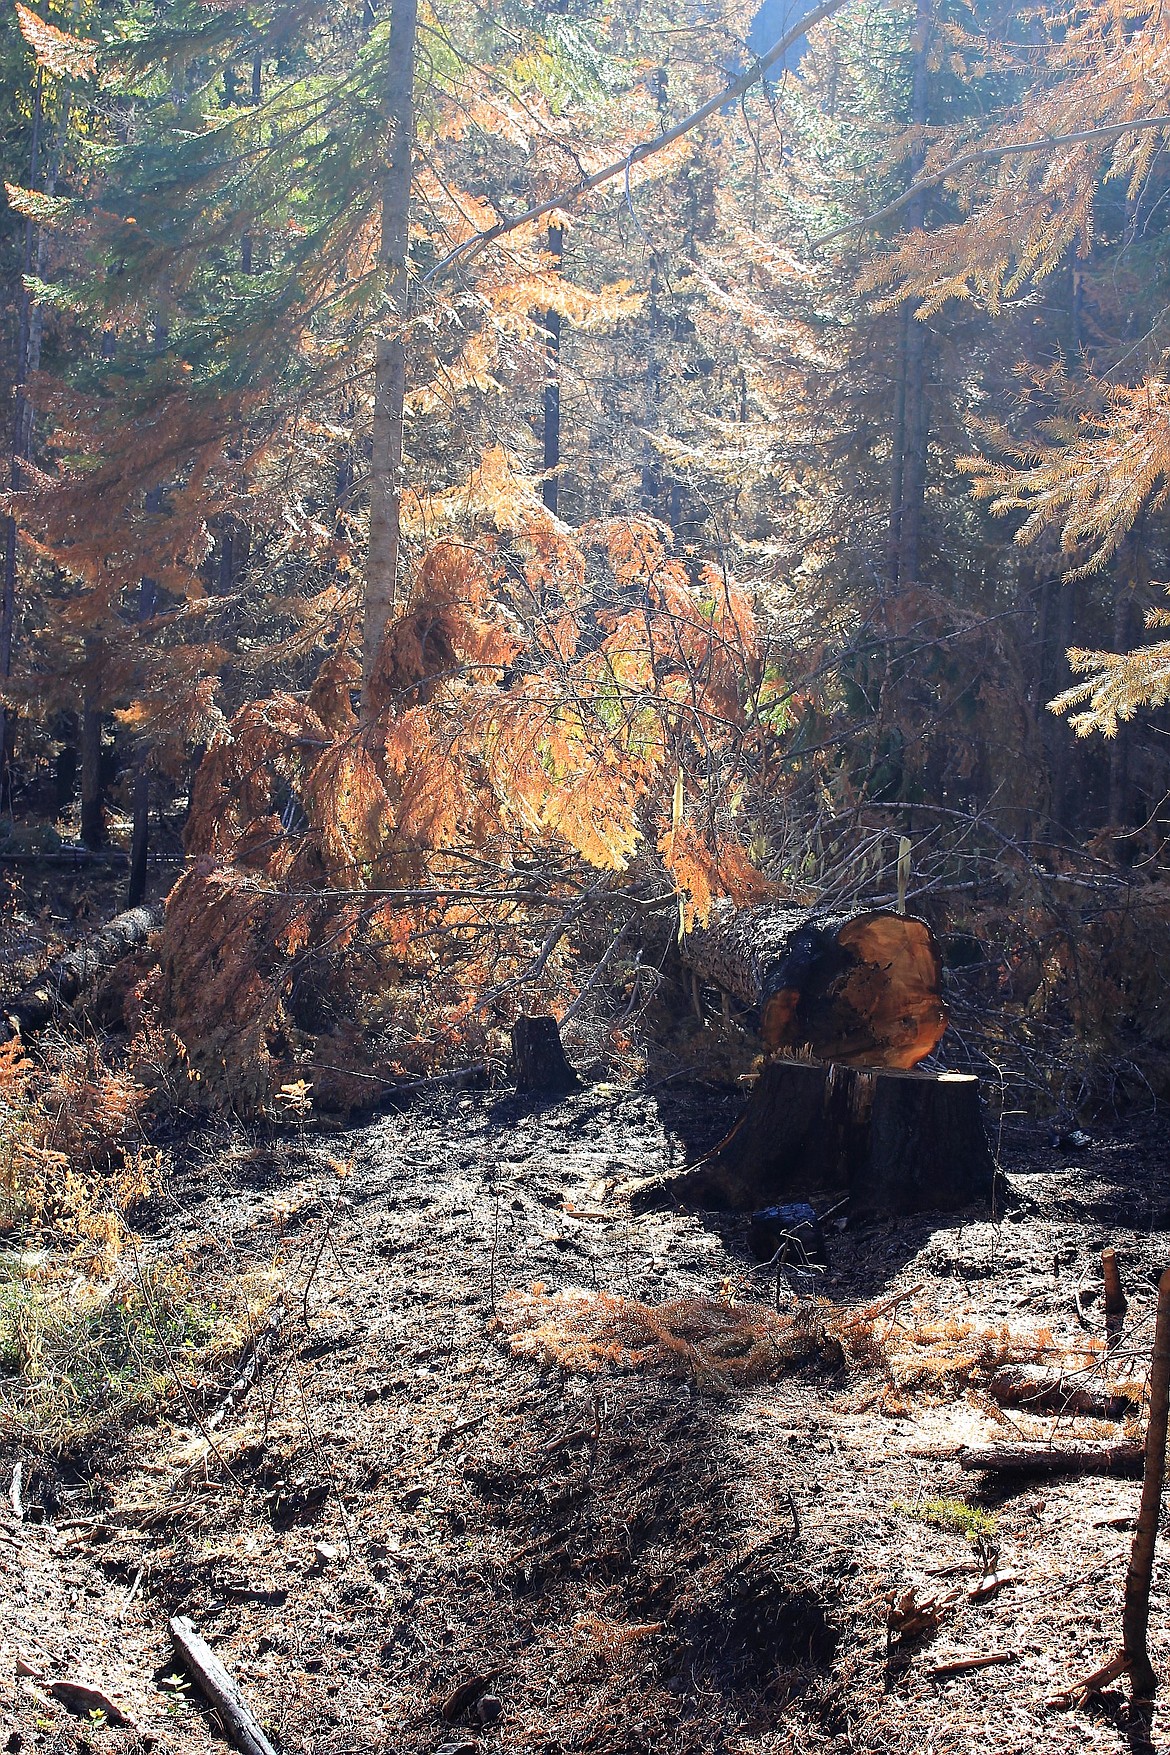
(987, 155)
(645, 149)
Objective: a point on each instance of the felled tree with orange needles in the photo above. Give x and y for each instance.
(555, 723)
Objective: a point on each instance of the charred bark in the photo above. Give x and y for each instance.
(861, 989)
(93, 804)
(390, 348)
(552, 384)
(62, 982)
(892, 1142)
(538, 1058)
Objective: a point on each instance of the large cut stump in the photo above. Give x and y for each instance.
(538, 1058)
(891, 1141)
(862, 989)
(848, 1005)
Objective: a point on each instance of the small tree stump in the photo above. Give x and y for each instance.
(538, 1059)
(894, 1142)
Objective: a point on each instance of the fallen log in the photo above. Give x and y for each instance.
(1054, 1459)
(38, 1003)
(892, 1141)
(218, 1688)
(1044, 1391)
(862, 989)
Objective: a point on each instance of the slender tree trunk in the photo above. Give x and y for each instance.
(246, 240)
(1065, 637)
(22, 419)
(140, 838)
(1117, 805)
(552, 383)
(65, 766)
(226, 571)
(390, 352)
(651, 485)
(911, 405)
(1130, 579)
(93, 812)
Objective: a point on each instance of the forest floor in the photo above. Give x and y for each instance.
(403, 1499)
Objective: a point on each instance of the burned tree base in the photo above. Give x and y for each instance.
(538, 1059)
(893, 1142)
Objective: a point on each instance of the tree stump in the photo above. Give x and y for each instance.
(538, 1059)
(893, 1142)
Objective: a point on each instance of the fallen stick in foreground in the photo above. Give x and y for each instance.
(1053, 1459)
(960, 1666)
(218, 1688)
(1134, 1658)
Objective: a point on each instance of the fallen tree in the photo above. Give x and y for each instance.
(1074, 1458)
(69, 975)
(862, 989)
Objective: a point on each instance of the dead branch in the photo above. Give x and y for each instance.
(564, 198)
(218, 1687)
(989, 155)
(1134, 1657)
(959, 1666)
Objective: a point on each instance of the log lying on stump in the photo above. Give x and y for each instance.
(862, 989)
(538, 1059)
(858, 998)
(38, 1003)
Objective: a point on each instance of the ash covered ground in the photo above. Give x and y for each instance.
(401, 1512)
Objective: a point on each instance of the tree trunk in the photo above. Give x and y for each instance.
(65, 764)
(1063, 818)
(1040, 1390)
(140, 836)
(38, 1004)
(1054, 1459)
(22, 417)
(538, 1059)
(892, 1142)
(552, 384)
(651, 485)
(1126, 586)
(93, 809)
(853, 1003)
(911, 409)
(390, 350)
(862, 989)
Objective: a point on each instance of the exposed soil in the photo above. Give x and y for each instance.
(399, 1503)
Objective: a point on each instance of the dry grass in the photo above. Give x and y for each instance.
(73, 1156)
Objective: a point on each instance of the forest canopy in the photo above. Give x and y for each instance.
(490, 484)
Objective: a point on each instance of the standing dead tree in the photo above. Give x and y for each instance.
(1134, 1657)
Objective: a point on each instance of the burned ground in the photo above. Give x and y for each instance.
(402, 1511)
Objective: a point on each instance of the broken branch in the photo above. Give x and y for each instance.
(218, 1687)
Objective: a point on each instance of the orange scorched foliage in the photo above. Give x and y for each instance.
(547, 713)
